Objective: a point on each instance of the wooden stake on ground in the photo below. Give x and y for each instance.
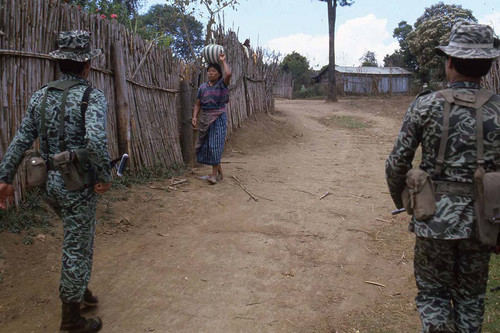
(375, 283)
(324, 195)
(245, 189)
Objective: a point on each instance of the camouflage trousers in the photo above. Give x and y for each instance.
(451, 277)
(77, 211)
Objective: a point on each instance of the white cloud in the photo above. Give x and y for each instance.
(314, 48)
(353, 39)
(356, 36)
(492, 20)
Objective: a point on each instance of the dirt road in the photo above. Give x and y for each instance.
(318, 251)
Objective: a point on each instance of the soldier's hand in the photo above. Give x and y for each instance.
(100, 188)
(6, 195)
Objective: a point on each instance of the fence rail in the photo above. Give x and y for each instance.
(142, 81)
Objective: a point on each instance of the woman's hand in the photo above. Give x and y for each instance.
(222, 57)
(194, 121)
(100, 188)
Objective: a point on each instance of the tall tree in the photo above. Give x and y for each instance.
(402, 57)
(401, 34)
(368, 59)
(213, 8)
(298, 65)
(332, 13)
(432, 29)
(395, 60)
(169, 26)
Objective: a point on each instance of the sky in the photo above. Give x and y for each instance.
(285, 26)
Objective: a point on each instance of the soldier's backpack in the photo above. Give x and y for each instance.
(35, 167)
(486, 184)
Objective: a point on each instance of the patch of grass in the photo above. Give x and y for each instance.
(351, 122)
(492, 314)
(30, 214)
(348, 122)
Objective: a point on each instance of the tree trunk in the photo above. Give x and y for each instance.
(122, 106)
(332, 88)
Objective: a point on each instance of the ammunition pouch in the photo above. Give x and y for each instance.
(67, 164)
(35, 169)
(487, 206)
(418, 195)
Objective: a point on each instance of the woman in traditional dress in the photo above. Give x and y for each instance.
(212, 126)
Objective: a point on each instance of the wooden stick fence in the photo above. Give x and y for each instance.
(492, 80)
(142, 82)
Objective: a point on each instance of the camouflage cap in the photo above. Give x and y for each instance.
(75, 45)
(471, 41)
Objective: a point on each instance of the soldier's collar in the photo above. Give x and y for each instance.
(465, 84)
(66, 76)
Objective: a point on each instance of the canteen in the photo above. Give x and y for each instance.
(211, 53)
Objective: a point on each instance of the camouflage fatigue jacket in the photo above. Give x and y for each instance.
(422, 125)
(92, 136)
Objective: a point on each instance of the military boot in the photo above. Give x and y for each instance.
(89, 299)
(73, 322)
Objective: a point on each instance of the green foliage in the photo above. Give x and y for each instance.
(125, 10)
(316, 91)
(169, 26)
(403, 57)
(432, 29)
(492, 302)
(368, 59)
(350, 122)
(395, 60)
(31, 213)
(298, 65)
(213, 7)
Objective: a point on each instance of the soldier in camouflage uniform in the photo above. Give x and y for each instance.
(81, 131)
(450, 264)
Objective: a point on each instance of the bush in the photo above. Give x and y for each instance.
(314, 91)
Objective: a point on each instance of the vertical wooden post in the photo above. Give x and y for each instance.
(185, 126)
(121, 97)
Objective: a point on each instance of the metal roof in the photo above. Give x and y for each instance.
(372, 70)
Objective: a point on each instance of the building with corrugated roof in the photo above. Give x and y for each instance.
(368, 80)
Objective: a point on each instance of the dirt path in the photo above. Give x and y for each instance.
(204, 258)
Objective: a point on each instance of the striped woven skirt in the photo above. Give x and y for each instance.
(210, 151)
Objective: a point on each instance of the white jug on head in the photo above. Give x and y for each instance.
(211, 53)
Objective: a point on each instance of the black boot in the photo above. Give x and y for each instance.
(89, 299)
(73, 322)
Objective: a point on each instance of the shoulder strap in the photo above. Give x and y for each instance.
(475, 101)
(444, 138)
(85, 103)
(483, 97)
(45, 139)
(448, 96)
